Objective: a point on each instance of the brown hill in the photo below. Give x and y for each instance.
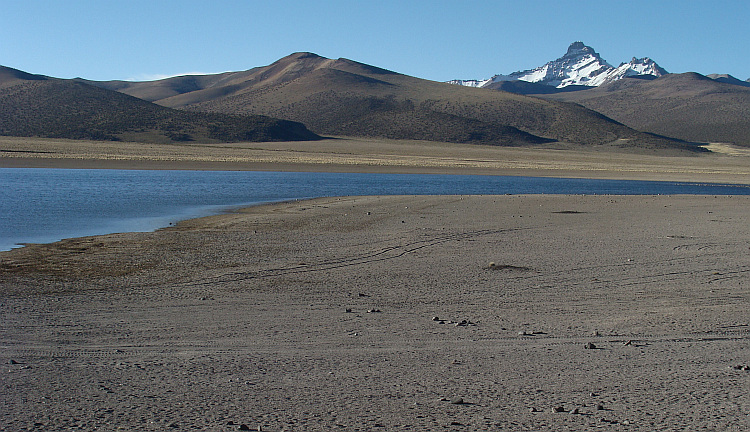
(33, 105)
(688, 106)
(10, 76)
(344, 97)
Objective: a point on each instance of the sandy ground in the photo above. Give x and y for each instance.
(728, 164)
(390, 313)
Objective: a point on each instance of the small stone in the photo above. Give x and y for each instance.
(600, 407)
(348, 310)
(575, 411)
(457, 401)
(589, 345)
(532, 409)
(435, 318)
(244, 427)
(558, 409)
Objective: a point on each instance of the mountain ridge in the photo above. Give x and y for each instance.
(342, 97)
(345, 97)
(581, 65)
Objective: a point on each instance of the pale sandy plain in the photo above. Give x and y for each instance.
(395, 313)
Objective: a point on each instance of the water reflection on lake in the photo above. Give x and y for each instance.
(46, 205)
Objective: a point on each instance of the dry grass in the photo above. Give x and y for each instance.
(374, 155)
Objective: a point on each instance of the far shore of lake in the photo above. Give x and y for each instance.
(725, 164)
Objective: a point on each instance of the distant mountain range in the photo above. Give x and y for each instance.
(345, 97)
(639, 94)
(580, 66)
(579, 99)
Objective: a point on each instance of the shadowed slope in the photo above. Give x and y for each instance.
(688, 106)
(46, 107)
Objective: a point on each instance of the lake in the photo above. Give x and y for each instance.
(46, 205)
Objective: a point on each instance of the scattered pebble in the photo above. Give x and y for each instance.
(457, 401)
(558, 409)
(373, 310)
(464, 323)
(589, 345)
(741, 367)
(600, 407)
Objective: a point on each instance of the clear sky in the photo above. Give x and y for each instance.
(438, 40)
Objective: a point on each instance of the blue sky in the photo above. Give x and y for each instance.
(438, 40)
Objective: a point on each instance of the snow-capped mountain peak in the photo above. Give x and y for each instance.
(580, 65)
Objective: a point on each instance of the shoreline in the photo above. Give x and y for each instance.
(399, 312)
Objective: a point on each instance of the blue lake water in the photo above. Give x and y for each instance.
(46, 205)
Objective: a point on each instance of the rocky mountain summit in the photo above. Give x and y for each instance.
(580, 66)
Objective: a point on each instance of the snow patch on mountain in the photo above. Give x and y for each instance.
(580, 65)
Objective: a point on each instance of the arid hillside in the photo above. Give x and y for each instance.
(687, 106)
(38, 106)
(344, 97)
